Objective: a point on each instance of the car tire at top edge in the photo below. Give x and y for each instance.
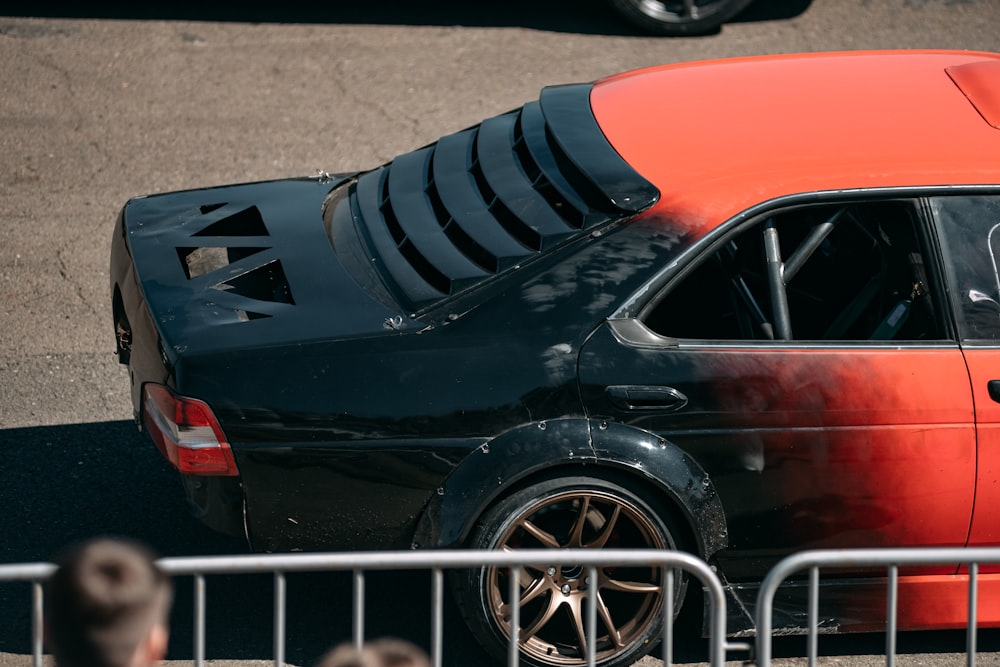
(667, 17)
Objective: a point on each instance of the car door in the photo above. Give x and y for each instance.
(805, 361)
(970, 231)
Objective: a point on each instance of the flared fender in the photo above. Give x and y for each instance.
(672, 471)
(569, 447)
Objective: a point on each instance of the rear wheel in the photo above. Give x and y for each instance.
(570, 512)
(679, 17)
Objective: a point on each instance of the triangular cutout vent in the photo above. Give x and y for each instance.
(247, 222)
(199, 261)
(264, 283)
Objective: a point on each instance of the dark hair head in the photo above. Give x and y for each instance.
(387, 652)
(398, 653)
(102, 602)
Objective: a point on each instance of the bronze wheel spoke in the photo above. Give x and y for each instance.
(533, 590)
(602, 610)
(630, 586)
(526, 568)
(607, 529)
(529, 631)
(576, 534)
(547, 539)
(575, 610)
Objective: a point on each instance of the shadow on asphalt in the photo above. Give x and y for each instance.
(569, 16)
(63, 484)
(70, 482)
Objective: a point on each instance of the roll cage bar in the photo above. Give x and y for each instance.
(779, 272)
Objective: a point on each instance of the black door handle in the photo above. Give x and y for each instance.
(642, 397)
(993, 386)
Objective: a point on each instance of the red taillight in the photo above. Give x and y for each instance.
(186, 433)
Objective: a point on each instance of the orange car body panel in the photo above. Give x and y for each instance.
(748, 130)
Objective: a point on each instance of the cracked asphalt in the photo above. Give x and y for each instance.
(101, 105)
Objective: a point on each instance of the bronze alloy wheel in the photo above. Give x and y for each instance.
(576, 513)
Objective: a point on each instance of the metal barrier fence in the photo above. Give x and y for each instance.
(437, 562)
(891, 559)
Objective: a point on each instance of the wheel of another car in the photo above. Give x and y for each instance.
(571, 512)
(679, 17)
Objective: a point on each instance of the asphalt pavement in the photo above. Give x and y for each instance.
(99, 105)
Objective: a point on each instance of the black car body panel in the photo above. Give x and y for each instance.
(450, 384)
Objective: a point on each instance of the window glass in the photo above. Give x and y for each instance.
(970, 231)
(837, 272)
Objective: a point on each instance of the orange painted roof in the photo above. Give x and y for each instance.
(719, 136)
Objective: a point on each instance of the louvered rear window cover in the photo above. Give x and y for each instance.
(447, 217)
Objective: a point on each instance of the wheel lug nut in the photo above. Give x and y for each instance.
(552, 571)
(565, 589)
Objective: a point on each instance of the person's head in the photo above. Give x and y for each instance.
(107, 605)
(386, 652)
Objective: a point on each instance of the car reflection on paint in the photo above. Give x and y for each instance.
(738, 308)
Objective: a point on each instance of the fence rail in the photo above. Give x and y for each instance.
(891, 559)
(437, 562)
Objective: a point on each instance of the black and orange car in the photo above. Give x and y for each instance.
(740, 308)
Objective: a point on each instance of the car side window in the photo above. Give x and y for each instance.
(970, 236)
(846, 272)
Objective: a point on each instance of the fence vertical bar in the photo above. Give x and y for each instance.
(437, 612)
(199, 620)
(515, 615)
(668, 618)
(892, 606)
(279, 618)
(970, 637)
(359, 607)
(812, 638)
(37, 623)
(591, 632)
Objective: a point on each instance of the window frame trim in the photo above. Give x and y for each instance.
(641, 303)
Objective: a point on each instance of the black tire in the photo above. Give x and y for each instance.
(679, 17)
(571, 512)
